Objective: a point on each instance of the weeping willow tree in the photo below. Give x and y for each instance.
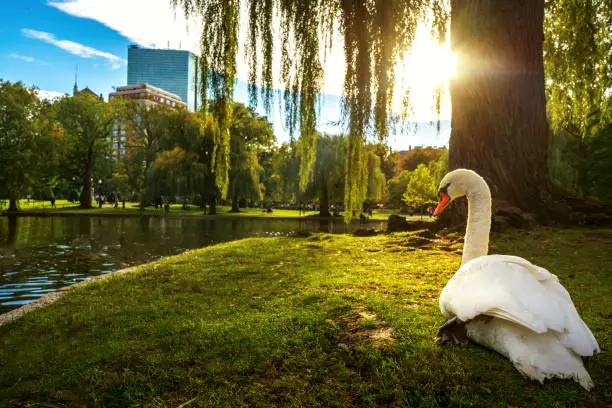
(578, 60)
(375, 33)
(499, 115)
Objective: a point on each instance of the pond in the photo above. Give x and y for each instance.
(41, 254)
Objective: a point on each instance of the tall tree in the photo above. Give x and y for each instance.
(578, 59)
(375, 33)
(182, 165)
(377, 183)
(24, 126)
(88, 123)
(249, 134)
(146, 125)
(498, 102)
(329, 170)
(499, 113)
(421, 188)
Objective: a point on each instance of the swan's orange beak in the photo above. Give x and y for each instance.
(444, 201)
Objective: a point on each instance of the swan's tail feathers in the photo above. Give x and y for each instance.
(577, 372)
(535, 355)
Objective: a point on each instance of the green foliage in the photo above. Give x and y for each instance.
(182, 164)
(598, 163)
(377, 183)
(88, 123)
(421, 188)
(285, 169)
(397, 187)
(250, 134)
(578, 56)
(27, 132)
(329, 170)
(388, 159)
(421, 155)
(375, 33)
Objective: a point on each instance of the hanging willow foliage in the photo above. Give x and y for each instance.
(578, 63)
(375, 34)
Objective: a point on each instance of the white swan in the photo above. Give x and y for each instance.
(505, 302)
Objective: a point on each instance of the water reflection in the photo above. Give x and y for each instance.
(41, 254)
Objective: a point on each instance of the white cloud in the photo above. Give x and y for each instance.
(75, 48)
(27, 59)
(149, 23)
(163, 27)
(48, 95)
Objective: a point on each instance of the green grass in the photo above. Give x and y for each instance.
(317, 321)
(132, 208)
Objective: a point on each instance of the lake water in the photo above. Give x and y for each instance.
(41, 254)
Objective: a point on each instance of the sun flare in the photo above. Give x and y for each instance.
(423, 69)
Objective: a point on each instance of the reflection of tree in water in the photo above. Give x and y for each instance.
(324, 226)
(12, 230)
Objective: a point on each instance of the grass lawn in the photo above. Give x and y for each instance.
(333, 321)
(132, 208)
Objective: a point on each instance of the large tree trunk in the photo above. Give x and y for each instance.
(499, 124)
(85, 198)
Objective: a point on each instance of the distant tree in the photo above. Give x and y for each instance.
(439, 168)
(329, 168)
(377, 183)
(25, 132)
(88, 123)
(147, 125)
(421, 188)
(579, 78)
(180, 167)
(286, 167)
(249, 135)
(421, 155)
(388, 159)
(119, 183)
(396, 188)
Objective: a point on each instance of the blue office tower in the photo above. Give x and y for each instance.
(175, 71)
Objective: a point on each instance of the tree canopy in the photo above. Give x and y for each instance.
(376, 32)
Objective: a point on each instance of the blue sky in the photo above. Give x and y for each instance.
(43, 42)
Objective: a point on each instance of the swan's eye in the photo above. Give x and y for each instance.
(444, 189)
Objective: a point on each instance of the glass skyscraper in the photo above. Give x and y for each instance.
(175, 71)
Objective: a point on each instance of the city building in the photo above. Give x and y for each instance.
(146, 94)
(86, 91)
(124, 137)
(174, 71)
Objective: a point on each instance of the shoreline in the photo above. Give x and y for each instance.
(180, 216)
(49, 298)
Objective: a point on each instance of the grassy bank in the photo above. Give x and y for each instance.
(64, 207)
(316, 321)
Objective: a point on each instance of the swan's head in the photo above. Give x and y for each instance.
(458, 183)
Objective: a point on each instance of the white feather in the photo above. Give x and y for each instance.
(513, 289)
(531, 317)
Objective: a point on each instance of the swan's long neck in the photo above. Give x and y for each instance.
(476, 242)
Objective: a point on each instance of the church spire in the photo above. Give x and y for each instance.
(75, 90)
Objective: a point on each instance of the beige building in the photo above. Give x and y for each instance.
(123, 138)
(148, 95)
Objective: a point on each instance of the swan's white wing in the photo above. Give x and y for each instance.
(511, 288)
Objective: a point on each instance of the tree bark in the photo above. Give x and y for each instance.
(235, 207)
(13, 205)
(85, 198)
(212, 206)
(324, 200)
(499, 124)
